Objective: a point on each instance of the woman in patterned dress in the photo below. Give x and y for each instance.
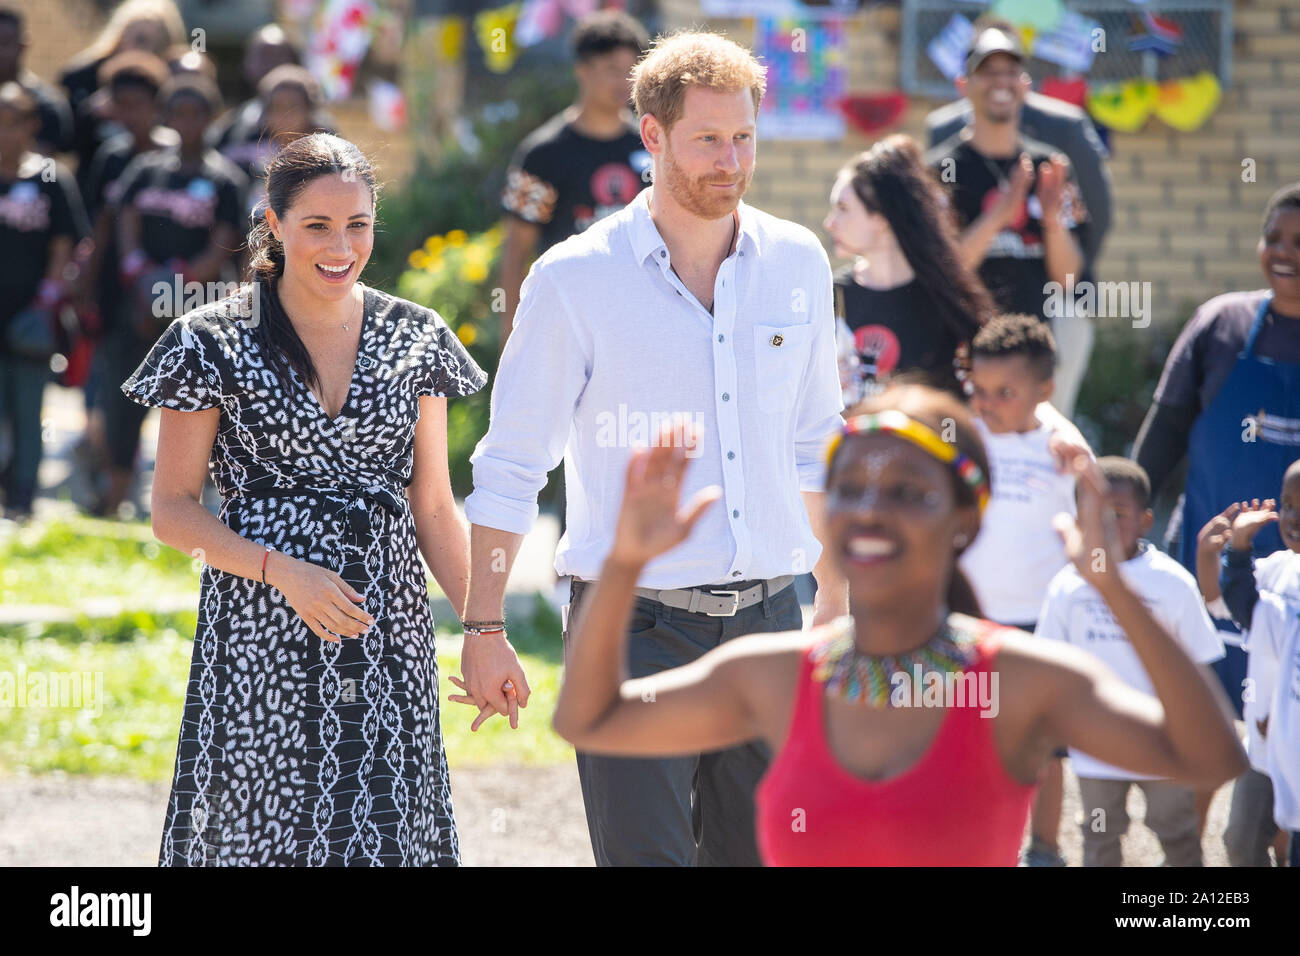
(310, 734)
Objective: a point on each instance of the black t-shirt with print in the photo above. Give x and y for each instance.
(564, 181)
(896, 331)
(1013, 270)
(37, 206)
(179, 207)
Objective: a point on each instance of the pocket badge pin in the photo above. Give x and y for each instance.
(777, 339)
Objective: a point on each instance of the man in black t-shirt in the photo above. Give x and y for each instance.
(581, 165)
(1019, 212)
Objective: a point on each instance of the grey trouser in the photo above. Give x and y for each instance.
(679, 811)
(1171, 815)
(1251, 827)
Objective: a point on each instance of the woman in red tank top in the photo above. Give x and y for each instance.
(911, 731)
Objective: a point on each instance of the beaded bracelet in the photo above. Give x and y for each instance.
(479, 628)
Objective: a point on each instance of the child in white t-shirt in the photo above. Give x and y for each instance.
(1017, 551)
(1075, 613)
(1244, 585)
(1274, 635)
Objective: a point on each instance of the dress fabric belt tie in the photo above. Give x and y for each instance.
(358, 518)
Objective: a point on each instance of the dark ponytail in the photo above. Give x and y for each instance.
(287, 173)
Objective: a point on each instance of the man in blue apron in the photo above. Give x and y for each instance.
(1234, 410)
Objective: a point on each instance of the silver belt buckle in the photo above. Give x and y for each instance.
(735, 604)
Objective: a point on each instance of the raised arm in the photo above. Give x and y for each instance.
(1062, 256)
(1186, 731)
(973, 242)
(701, 706)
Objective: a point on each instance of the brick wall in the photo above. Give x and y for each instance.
(58, 30)
(1184, 219)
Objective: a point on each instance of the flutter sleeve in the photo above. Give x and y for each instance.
(449, 370)
(180, 372)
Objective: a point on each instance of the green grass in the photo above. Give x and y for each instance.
(537, 641)
(67, 560)
(128, 726)
(142, 662)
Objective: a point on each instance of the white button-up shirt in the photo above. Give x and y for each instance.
(608, 342)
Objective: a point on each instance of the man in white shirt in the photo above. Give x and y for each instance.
(690, 303)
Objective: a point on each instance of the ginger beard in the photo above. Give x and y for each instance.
(698, 196)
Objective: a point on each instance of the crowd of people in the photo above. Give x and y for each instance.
(988, 602)
(125, 172)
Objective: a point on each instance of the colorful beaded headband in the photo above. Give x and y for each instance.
(894, 422)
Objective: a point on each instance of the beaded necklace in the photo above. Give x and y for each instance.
(869, 679)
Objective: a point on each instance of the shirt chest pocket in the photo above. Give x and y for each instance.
(780, 360)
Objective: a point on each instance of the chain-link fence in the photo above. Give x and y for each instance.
(1205, 42)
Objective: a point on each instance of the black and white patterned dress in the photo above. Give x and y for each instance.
(294, 750)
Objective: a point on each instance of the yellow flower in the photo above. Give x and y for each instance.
(467, 333)
(433, 245)
(456, 238)
(417, 259)
(452, 39)
(473, 271)
(496, 36)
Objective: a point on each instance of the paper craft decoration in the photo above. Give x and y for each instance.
(1067, 91)
(805, 77)
(338, 45)
(1069, 43)
(1162, 37)
(495, 30)
(778, 8)
(451, 39)
(1187, 103)
(542, 19)
(1039, 14)
(949, 46)
(872, 113)
(1124, 106)
(387, 106)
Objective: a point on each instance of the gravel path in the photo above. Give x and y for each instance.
(508, 816)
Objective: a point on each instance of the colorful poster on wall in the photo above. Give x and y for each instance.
(806, 9)
(1069, 43)
(805, 62)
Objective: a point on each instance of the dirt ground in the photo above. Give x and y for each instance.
(507, 816)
